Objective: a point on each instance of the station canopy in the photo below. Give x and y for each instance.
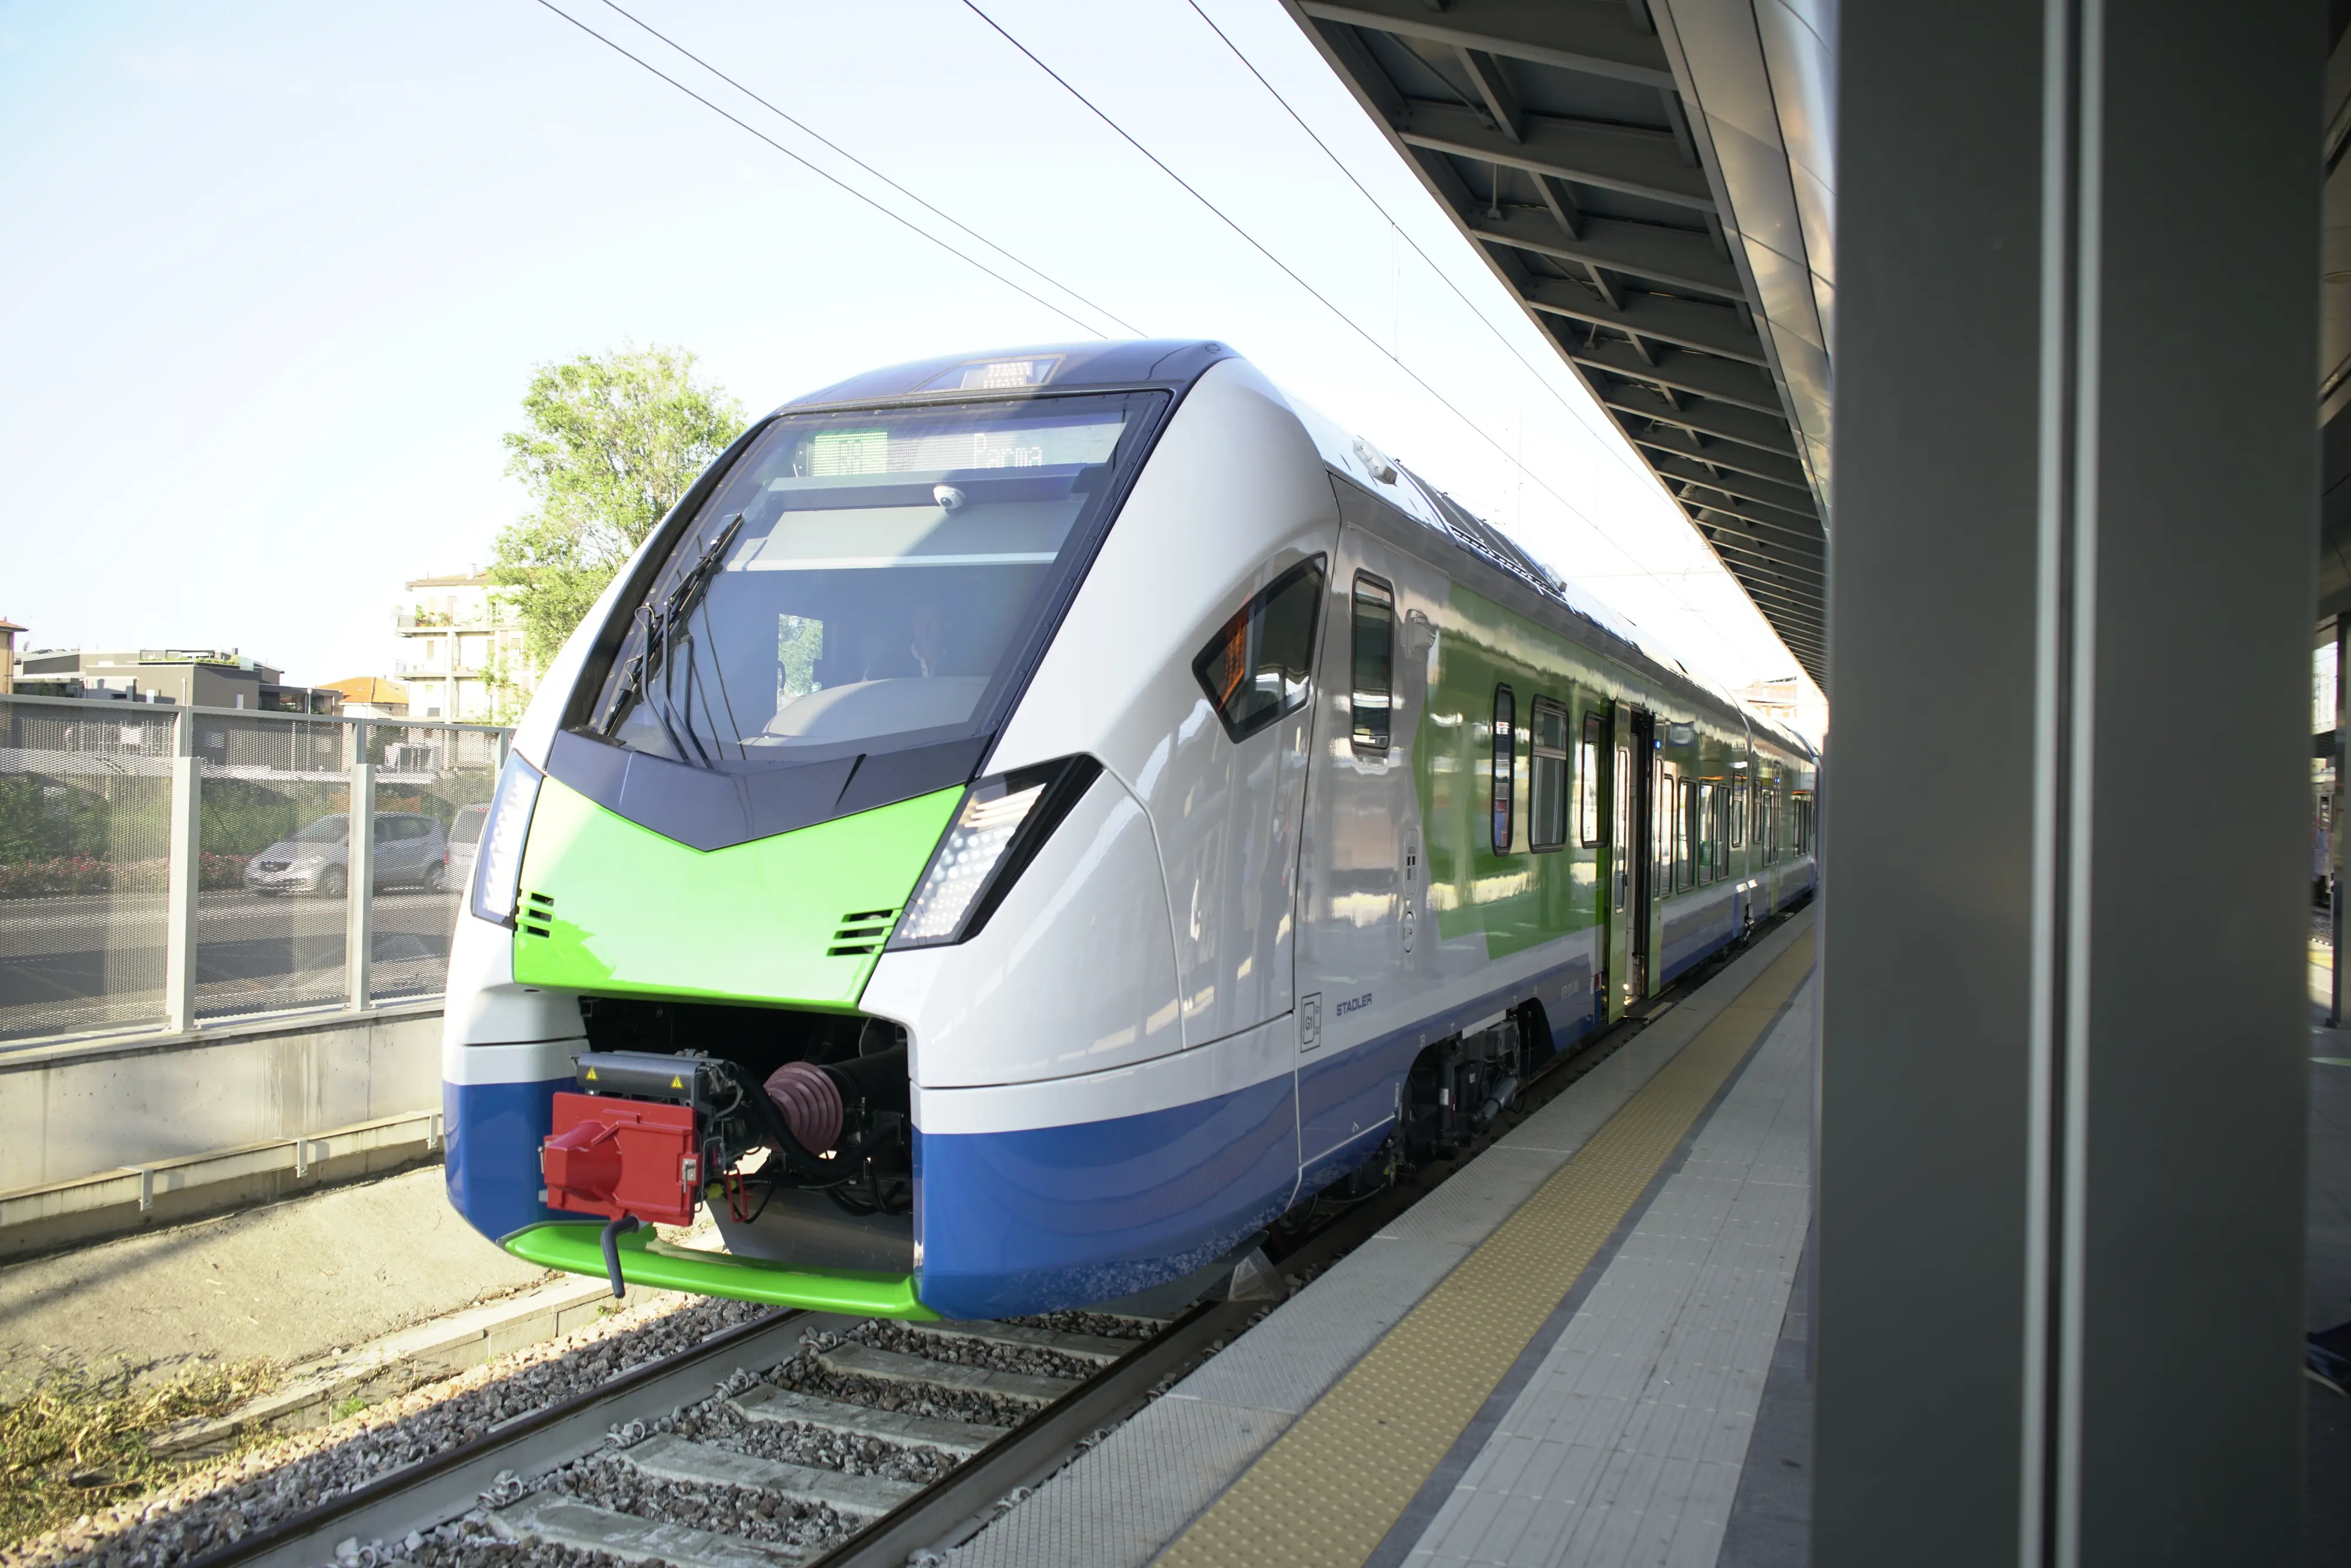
(1652, 180)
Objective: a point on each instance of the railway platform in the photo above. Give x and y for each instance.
(1585, 1346)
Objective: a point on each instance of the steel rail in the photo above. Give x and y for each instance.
(952, 1509)
(439, 1487)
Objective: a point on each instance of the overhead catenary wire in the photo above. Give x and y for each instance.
(828, 176)
(1255, 244)
(813, 134)
(1288, 271)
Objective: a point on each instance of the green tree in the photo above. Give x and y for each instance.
(613, 440)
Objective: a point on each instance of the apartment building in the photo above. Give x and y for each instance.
(461, 650)
(201, 677)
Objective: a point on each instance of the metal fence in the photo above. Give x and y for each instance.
(166, 867)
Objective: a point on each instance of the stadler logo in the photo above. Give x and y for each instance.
(1353, 1004)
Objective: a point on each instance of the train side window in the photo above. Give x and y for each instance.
(1256, 668)
(1707, 795)
(1621, 803)
(1374, 650)
(1664, 817)
(1739, 813)
(1505, 729)
(1587, 782)
(1547, 775)
(1684, 830)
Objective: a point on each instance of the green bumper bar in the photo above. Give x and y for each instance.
(649, 1261)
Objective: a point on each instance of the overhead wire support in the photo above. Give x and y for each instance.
(816, 135)
(830, 178)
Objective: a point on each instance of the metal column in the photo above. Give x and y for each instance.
(2334, 912)
(2058, 1315)
(359, 907)
(182, 877)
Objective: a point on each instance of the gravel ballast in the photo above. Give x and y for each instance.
(222, 1502)
(231, 1499)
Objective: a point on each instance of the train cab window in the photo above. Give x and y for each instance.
(1374, 653)
(1547, 775)
(862, 582)
(1255, 668)
(1505, 729)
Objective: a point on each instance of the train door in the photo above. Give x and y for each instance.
(1230, 837)
(1666, 831)
(1361, 876)
(1636, 861)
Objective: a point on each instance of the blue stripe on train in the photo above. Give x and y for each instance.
(492, 1165)
(1025, 1221)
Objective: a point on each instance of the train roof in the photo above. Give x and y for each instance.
(1176, 363)
(1172, 363)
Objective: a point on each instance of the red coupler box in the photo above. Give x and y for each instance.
(612, 1157)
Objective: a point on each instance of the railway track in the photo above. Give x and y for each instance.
(816, 1440)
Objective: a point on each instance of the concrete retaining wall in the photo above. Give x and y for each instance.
(75, 1109)
(102, 1136)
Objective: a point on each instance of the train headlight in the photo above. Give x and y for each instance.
(497, 867)
(1002, 823)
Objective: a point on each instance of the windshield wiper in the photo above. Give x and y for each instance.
(655, 627)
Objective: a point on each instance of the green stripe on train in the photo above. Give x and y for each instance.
(612, 908)
(577, 1249)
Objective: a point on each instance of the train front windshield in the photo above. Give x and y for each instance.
(864, 581)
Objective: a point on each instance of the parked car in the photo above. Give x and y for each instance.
(464, 838)
(411, 850)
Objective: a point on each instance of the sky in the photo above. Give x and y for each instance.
(279, 273)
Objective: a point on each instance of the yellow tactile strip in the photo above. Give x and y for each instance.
(1329, 1489)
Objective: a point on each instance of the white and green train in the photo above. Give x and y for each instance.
(1024, 824)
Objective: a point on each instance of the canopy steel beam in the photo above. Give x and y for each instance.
(1761, 431)
(1747, 563)
(1809, 540)
(1738, 459)
(1702, 375)
(1596, 40)
(1608, 157)
(1493, 85)
(1673, 256)
(1780, 497)
(1682, 322)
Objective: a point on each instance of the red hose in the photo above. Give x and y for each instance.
(811, 1102)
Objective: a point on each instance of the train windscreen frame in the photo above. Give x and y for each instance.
(869, 580)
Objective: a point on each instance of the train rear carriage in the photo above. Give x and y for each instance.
(1024, 824)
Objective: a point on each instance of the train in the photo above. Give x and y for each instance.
(1026, 823)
